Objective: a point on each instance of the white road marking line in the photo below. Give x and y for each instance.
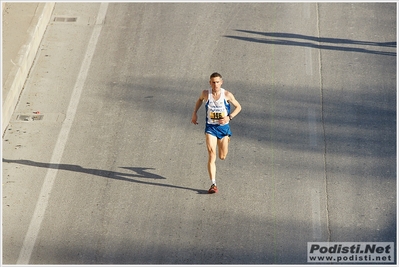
(41, 205)
(101, 14)
(316, 221)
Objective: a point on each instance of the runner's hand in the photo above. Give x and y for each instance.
(194, 118)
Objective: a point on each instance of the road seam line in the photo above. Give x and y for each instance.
(323, 125)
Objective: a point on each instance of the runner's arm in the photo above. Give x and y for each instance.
(197, 107)
(237, 106)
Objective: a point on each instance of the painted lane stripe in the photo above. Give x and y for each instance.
(41, 205)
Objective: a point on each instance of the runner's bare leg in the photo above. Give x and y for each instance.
(223, 145)
(211, 143)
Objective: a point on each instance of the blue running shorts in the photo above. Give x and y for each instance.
(217, 130)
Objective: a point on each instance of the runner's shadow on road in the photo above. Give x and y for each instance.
(291, 39)
(139, 172)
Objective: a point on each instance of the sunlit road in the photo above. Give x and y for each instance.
(114, 173)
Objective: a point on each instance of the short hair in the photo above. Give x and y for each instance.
(215, 74)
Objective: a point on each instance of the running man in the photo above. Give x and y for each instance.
(217, 129)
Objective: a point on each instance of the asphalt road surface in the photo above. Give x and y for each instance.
(112, 171)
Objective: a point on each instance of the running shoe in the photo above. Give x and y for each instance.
(213, 189)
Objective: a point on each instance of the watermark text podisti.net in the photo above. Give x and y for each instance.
(377, 252)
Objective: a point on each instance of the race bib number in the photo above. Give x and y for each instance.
(216, 115)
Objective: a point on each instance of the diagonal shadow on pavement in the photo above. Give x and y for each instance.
(139, 173)
(286, 39)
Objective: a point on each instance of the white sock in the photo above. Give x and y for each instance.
(214, 181)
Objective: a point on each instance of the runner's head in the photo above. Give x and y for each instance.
(215, 74)
(216, 81)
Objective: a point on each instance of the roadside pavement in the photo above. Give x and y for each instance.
(23, 27)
